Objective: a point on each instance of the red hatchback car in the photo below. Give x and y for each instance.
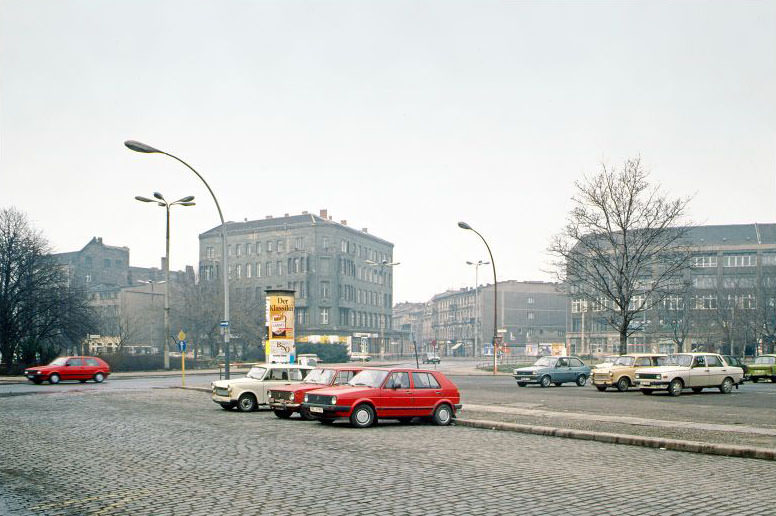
(288, 399)
(70, 368)
(387, 393)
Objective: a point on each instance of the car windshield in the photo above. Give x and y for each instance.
(661, 361)
(545, 362)
(765, 360)
(59, 361)
(257, 373)
(680, 360)
(610, 360)
(624, 361)
(320, 376)
(368, 378)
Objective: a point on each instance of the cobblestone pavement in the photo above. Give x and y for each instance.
(169, 451)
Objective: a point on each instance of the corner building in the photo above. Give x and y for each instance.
(340, 298)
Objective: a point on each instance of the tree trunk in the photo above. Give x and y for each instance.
(623, 342)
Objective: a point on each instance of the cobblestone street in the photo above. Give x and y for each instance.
(170, 451)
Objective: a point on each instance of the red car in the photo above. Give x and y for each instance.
(286, 400)
(70, 368)
(387, 393)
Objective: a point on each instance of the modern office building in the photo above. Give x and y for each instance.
(340, 274)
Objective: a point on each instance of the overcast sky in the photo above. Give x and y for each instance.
(402, 117)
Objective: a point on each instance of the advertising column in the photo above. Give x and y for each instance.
(280, 319)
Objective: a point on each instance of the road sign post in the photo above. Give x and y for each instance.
(182, 348)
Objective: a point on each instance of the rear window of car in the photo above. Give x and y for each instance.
(712, 361)
(424, 381)
(74, 362)
(92, 362)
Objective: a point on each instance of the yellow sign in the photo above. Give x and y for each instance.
(181, 335)
(279, 316)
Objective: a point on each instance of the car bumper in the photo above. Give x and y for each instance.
(221, 399)
(526, 379)
(284, 405)
(603, 381)
(652, 384)
(327, 411)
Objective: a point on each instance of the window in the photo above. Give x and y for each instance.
(295, 374)
(259, 293)
(248, 270)
(738, 282)
(578, 306)
(768, 259)
(269, 246)
(713, 361)
(210, 252)
(324, 261)
(747, 302)
(268, 269)
(673, 303)
(279, 268)
(704, 282)
(344, 246)
(258, 247)
(299, 243)
(106, 263)
(229, 250)
(424, 381)
(281, 246)
(574, 362)
(238, 249)
(258, 269)
(704, 261)
(92, 362)
(642, 362)
(325, 287)
(278, 374)
(636, 303)
(75, 362)
(530, 300)
(600, 304)
(325, 243)
(530, 316)
(248, 249)
(324, 316)
(398, 381)
(88, 278)
(706, 302)
(743, 260)
(238, 271)
(343, 377)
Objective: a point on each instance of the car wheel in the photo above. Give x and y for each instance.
(646, 391)
(755, 379)
(282, 414)
(581, 380)
(99, 377)
(727, 386)
(54, 378)
(305, 413)
(226, 406)
(443, 415)
(623, 383)
(557, 384)
(247, 403)
(362, 416)
(521, 384)
(601, 388)
(545, 381)
(675, 387)
(696, 390)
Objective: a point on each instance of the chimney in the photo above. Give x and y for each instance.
(245, 219)
(365, 230)
(344, 222)
(324, 214)
(268, 217)
(286, 215)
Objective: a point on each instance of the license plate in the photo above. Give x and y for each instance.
(646, 383)
(525, 378)
(30, 376)
(317, 410)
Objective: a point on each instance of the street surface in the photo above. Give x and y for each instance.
(136, 446)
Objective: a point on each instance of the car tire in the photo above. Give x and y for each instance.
(443, 415)
(601, 388)
(54, 378)
(557, 384)
(726, 387)
(646, 391)
(545, 381)
(37, 381)
(247, 403)
(521, 384)
(581, 380)
(99, 377)
(675, 387)
(226, 406)
(623, 383)
(282, 414)
(306, 415)
(755, 379)
(363, 416)
(696, 390)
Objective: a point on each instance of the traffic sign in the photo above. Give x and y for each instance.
(181, 345)
(224, 324)
(181, 335)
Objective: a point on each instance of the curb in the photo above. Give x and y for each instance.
(200, 389)
(747, 452)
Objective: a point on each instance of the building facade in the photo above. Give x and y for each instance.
(342, 283)
(725, 302)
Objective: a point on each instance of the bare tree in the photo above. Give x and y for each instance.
(623, 248)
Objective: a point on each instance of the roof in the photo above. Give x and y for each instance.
(281, 223)
(733, 234)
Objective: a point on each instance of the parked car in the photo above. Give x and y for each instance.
(387, 393)
(694, 371)
(553, 370)
(737, 362)
(69, 368)
(360, 357)
(431, 358)
(286, 400)
(310, 359)
(250, 392)
(622, 373)
(764, 367)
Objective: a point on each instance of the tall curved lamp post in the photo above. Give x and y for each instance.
(142, 147)
(382, 266)
(161, 201)
(464, 225)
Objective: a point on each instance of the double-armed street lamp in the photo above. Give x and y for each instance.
(161, 201)
(142, 147)
(464, 225)
(382, 266)
(476, 303)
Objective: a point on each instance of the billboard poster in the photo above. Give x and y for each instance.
(279, 317)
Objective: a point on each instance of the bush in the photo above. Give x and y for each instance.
(121, 362)
(328, 353)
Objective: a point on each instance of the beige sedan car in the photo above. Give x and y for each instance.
(695, 371)
(250, 392)
(622, 373)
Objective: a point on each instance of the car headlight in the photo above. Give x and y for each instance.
(638, 376)
(610, 373)
(306, 398)
(229, 389)
(333, 400)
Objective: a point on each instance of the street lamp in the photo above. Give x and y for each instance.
(160, 200)
(142, 147)
(382, 265)
(476, 303)
(464, 225)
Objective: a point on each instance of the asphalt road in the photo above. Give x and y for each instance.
(126, 448)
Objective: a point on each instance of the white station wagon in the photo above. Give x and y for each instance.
(250, 392)
(694, 371)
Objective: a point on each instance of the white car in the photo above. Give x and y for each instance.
(250, 392)
(694, 371)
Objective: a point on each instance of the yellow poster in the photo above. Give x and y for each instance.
(279, 315)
